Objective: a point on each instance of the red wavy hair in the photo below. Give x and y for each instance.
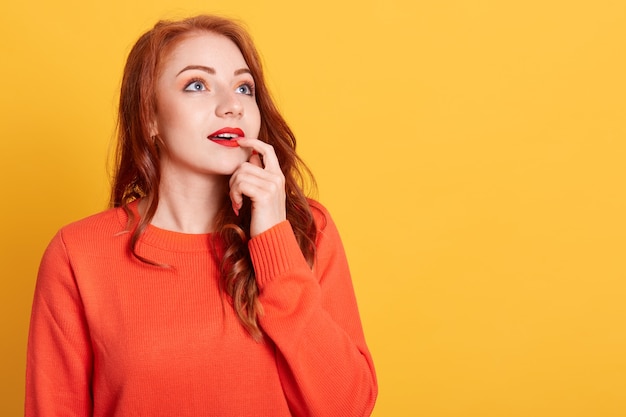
(137, 171)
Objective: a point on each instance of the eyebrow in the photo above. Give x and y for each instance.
(210, 70)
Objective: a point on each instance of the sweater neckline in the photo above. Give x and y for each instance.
(167, 239)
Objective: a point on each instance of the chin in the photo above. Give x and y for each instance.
(228, 167)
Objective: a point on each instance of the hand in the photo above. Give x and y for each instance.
(262, 180)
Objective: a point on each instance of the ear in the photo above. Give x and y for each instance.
(154, 130)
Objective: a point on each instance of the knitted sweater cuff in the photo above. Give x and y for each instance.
(275, 252)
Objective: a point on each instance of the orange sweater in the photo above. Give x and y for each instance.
(112, 336)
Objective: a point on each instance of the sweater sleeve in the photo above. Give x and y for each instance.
(59, 358)
(313, 320)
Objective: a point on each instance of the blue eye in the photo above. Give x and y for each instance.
(195, 85)
(246, 89)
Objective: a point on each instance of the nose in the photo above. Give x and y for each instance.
(229, 105)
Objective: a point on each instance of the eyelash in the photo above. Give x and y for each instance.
(250, 87)
(193, 81)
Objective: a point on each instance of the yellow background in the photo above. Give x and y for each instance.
(472, 153)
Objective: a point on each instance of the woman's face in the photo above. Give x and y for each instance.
(205, 98)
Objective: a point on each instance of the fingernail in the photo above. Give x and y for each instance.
(236, 210)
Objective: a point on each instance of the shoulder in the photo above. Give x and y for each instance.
(326, 227)
(86, 236)
(94, 232)
(320, 213)
(107, 220)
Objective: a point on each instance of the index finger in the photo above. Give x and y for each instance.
(265, 150)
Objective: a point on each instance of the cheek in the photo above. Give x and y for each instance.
(170, 112)
(255, 121)
(173, 118)
(164, 118)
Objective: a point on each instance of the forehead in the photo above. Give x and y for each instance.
(204, 48)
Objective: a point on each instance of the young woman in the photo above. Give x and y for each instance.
(212, 287)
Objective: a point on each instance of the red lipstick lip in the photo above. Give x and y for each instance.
(231, 130)
(230, 143)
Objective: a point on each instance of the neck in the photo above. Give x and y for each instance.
(189, 208)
